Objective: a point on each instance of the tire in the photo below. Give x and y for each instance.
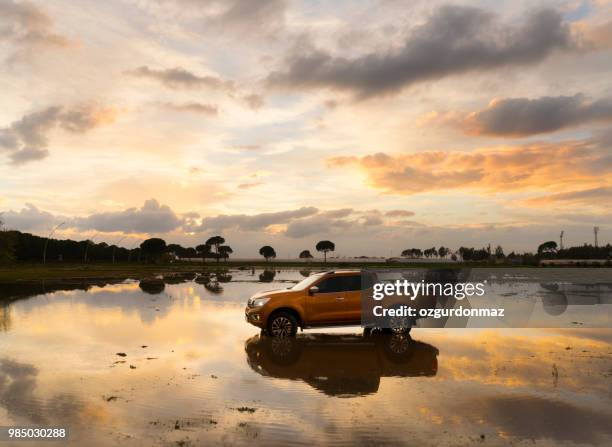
(399, 348)
(282, 324)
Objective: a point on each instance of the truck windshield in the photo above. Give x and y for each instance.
(307, 282)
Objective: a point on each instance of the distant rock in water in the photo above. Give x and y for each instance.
(152, 286)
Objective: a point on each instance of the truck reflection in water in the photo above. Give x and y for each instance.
(341, 365)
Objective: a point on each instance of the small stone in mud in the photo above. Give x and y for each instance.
(110, 398)
(144, 346)
(177, 426)
(132, 367)
(121, 354)
(568, 348)
(151, 358)
(119, 361)
(246, 409)
(212, 376)
(212, 422)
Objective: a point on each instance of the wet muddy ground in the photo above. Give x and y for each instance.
(173, 363)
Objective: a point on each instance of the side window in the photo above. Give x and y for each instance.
(330, 285)
(340, 284)
(353, 283)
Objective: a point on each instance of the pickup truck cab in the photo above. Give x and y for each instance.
(323, 299)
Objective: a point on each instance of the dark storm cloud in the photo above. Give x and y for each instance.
(26, 139)
(523, 116)
(179, 78)
(254, 222)
(455, 39)
(151, 218)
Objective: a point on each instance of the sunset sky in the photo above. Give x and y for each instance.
(379, 125)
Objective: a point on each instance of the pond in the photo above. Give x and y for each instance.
(172, 362)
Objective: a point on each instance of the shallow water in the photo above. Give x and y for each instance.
(195, 373)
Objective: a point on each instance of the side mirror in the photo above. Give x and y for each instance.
(313, 290)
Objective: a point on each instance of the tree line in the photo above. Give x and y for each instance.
(550, 250)
(26, 247)
(546, 250)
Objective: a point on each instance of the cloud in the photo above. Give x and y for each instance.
(371, 220)
(298, 223)
(236, 18)
(254, 101)
(249, 185)
(194, 107)
(154, 218)
(316, 225)
(151, 218)
(27, 154)
(248, 147)
(254, 222)
(523, 117)
(399, 213)
(335, 214)
(179, 78)
(30, 218)
(248, 16)
(26, 139)
(597, 36)
(25, 25)
(30, 130)
(539, 166)
(601, 196)
(455, 39)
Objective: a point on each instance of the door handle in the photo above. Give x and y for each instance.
(339, 298)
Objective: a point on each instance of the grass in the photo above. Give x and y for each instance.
(65, 271)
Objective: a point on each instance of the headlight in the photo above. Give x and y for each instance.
(258, 302)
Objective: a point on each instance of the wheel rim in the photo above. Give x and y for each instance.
(399, 344)
(282, 327)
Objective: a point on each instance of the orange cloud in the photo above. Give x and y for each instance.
(601, 196)
(540, 166)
